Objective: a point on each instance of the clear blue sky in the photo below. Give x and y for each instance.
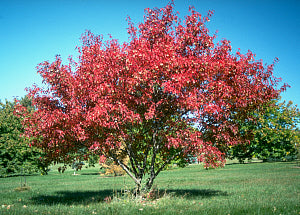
(33, 31)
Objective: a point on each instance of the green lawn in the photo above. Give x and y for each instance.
(257, 188)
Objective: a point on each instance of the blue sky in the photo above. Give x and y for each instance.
(33, 31)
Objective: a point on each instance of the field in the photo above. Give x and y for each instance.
(256, 188)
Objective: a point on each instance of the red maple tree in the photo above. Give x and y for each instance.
(168, 93)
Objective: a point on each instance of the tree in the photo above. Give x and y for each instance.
(142, 98)
(16, 156)
(275, 133)
(298, 147)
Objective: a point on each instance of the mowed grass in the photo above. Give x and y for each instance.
(257, 188)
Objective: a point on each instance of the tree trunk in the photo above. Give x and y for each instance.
(138, 186)
(149, 183)
(135, 177)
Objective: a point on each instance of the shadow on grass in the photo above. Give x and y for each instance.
(248, 162)
(196, 193)
(72, 197)
(19, 175)
(88, 197)
(92, 173)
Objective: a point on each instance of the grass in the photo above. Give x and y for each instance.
(257, 188)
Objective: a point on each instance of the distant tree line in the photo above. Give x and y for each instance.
(276, 134)
(16, 155)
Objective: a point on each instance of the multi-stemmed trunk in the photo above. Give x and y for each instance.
(137, 170)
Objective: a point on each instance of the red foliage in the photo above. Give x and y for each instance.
(169, 76)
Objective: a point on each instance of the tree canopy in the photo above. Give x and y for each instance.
(16, 155)
(275, 133)
(143, 98)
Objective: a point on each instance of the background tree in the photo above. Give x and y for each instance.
(298, 146)
(16, 156)
(140, 99)
(275, 133)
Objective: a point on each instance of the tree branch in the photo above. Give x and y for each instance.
(125, 168)
(167, 162)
